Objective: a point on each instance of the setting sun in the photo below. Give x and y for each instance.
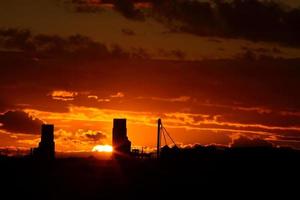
(103, 148)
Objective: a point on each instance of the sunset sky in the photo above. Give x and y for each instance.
(211, 77)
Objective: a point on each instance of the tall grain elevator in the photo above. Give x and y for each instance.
(46, 148)
(121, 144)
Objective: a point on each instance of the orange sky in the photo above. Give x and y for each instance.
(63, 67)
(197, 102)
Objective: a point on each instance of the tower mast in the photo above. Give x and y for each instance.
(158, 137)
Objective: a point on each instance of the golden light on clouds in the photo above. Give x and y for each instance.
(63, 95)
(106, 99)
(80, 113)
(142, 126)
(118, 95)
(173, 120)
(103, 148)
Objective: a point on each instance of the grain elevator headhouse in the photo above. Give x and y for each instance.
(121, 144)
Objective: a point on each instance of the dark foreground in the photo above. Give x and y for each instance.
(243, 173)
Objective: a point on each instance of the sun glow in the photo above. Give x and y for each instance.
(103, 148)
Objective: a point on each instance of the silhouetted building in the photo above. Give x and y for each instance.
(121, 144)
(46, 148)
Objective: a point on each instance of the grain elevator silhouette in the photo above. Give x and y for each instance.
(121, 144)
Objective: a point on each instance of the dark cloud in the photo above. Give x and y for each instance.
(54, 46)
(272, 84)
(128, 32)
(16, 39)
(180, 55)
(96, 137)
(215, 40)
(140, 53)
(250, 19)
(4, 105)
(128, 10)
(81, 6)
(248, 53)
(175, 54)
(125, 7)
(245, 142)
(20, 122)
(295, 138)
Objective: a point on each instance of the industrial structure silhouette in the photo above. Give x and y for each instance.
(130, 178)
(46, 148)
(121, 144)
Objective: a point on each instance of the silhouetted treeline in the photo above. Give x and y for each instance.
(237, 154)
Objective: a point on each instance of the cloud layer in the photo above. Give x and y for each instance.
(200, 101)
(20, 122)
(252, 19)
(244, 142)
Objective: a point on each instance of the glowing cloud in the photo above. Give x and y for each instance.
(175, 99)
(118, 95)
(63, 95)
(93, 97)
(102, 148)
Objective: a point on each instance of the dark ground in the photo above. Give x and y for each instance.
(248, 173)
